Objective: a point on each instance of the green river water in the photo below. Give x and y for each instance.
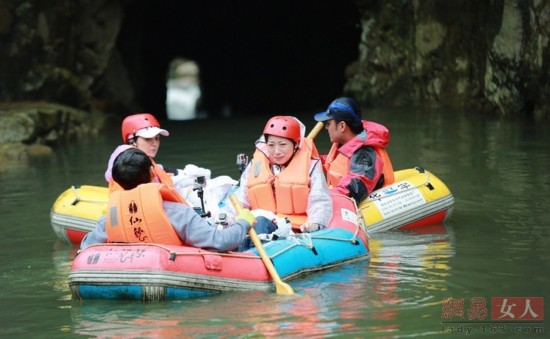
(495, 244)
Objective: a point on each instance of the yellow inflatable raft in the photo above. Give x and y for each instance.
(417, 198)
(76, 211)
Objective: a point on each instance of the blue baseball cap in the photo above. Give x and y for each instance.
(341, 109)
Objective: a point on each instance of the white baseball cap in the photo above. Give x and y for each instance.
(150, 132)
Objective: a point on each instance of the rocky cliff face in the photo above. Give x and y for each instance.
(492, 56)
(61, 51)
(27, 129)
(53, 57)
(489, 55)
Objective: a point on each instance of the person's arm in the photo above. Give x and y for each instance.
(319, 209)
(242, 195)
(97, 235)
(364, 173)
(195, 231)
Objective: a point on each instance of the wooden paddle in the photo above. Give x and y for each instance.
(316, 129)
(281, 286)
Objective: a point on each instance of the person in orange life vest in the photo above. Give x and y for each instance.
(357, 162)
(285, 177)
(150, 212)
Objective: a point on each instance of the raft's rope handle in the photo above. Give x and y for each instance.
(297, 242)
(302, 239)
(78, 199)
(174, 254)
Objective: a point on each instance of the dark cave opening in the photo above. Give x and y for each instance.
(257, 57)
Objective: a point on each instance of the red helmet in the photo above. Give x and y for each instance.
(133, 123)
(285, 127)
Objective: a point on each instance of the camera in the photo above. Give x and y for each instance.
(200, 181)
(200, 184)
(242, 161)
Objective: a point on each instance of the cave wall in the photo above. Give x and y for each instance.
(59, 51)
(491, 56)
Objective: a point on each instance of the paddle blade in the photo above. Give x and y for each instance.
(283, 288)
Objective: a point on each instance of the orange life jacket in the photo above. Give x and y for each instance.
(287, 193)
(337, 166)
(160, 176)
(137, 215)
(389, 176)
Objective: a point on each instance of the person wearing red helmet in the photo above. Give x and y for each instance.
(142, 131)
(285, 176)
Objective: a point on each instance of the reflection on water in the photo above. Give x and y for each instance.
(409, 271)
(62, 257)
(419, 258)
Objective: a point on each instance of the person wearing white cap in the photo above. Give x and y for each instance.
(143, 132)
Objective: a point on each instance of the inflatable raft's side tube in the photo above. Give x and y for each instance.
(417, 198)
(155, 272)
(345, 215)
(76, 210)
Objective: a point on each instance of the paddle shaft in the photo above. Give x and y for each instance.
(316, 129)
(281, 286)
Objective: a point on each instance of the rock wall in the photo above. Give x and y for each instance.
(492, 56)
(29, 129)
(61, 51)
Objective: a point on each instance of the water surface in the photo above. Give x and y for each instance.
(496, 243)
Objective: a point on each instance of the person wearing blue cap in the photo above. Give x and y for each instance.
(357, 162)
